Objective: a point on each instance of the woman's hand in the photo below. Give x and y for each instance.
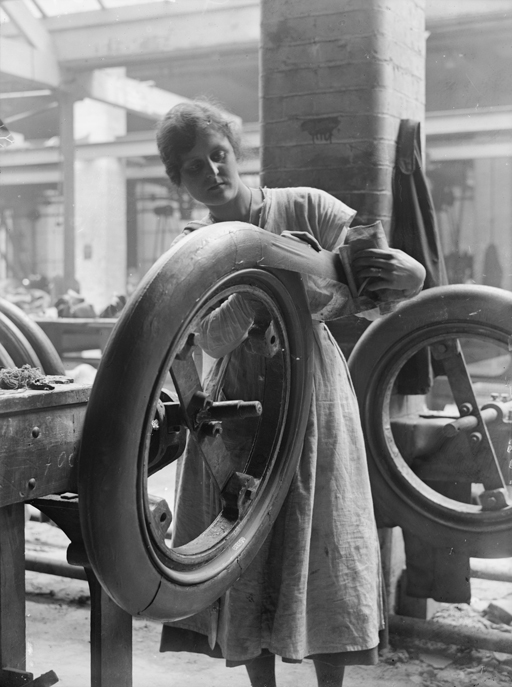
(388, 269)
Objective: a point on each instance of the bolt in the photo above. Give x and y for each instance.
(475, 437)
(212, 429)
(31, 483)
(465, 408)
(36, 432)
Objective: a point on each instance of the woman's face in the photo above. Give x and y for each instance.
(209, 171)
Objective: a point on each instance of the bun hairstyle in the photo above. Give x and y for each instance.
(178, 131)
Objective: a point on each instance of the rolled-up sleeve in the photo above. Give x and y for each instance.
(225, 328)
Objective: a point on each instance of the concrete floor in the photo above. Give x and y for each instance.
(58, 639)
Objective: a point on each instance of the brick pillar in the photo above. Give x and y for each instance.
(337, 76)
(100, 211)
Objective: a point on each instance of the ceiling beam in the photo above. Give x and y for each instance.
(19, 174)
(39, 8)
(31, 28)
(139, 145)
(473, 121)
(130, 94)
(437, 152)
(34, 59)
(22, 61)
(155, 31)
(29, 113)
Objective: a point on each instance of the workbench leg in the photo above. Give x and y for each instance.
(111, 639)
(12, 597)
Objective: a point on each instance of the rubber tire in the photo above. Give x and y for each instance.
(5, 358)
(400, 498)
(45, 351)
(110, 465)
(16, 344)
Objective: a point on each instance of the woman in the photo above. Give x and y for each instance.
(314, 589)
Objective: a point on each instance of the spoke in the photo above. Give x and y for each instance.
(449, 352)
(216, 458)
(160, 517)
(188, 387)
(193, 401)
(238, 494)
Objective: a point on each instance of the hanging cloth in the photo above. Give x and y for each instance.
(414, 227)
(414, 230)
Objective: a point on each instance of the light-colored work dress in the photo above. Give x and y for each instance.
(315, 586)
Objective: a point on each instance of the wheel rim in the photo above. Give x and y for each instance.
(208, 554)
(410, 456)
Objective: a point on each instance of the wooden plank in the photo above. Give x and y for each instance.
(12, 595)
(111, 639)
(39, 437)
(111, 627)
(22, 400)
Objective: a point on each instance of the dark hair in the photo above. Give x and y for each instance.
(177, 133)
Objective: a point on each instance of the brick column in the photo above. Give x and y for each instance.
(337, 76)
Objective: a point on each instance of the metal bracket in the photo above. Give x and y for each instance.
(237, 495)
(450, 354)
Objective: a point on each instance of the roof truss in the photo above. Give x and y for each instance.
(33, 58)
(52, 52)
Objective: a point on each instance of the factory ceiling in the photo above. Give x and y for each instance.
(142, 56)
(145, 56)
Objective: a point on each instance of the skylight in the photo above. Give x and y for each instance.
(52, 8)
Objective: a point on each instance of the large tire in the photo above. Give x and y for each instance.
(5, 358)
(51, 364)
(19, 349)
(143, 575)
(475, 313)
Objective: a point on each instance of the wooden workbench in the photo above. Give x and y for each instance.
(40, 434)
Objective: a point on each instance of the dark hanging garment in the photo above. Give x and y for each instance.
(414, 230)
(438, 573)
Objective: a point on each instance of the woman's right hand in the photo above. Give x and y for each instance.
(389, 270)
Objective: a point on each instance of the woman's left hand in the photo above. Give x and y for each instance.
(389, 269)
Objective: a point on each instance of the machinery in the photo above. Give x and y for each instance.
(458, 433)
(152, 394)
